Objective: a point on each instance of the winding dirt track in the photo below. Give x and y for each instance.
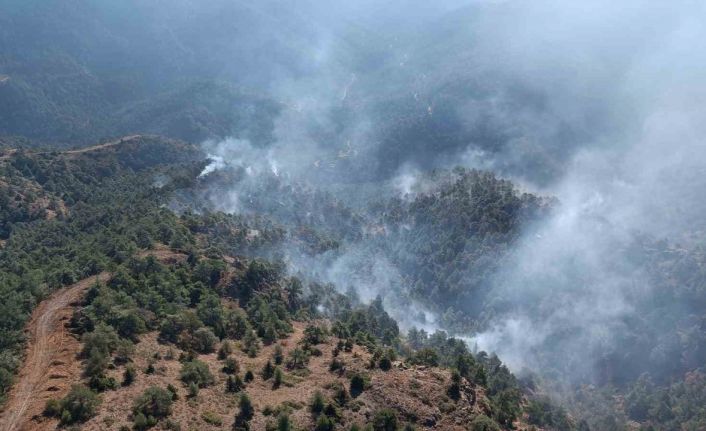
(50, 351)
(105, 145)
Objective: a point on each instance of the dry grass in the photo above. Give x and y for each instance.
(416, 393)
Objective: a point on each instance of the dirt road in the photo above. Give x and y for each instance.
(101, 146)
(50, 361)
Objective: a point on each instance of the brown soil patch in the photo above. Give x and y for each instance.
(415, 393)
(50, 364)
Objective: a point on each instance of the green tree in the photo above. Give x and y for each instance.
(245, 413)
(454, 390)
(298, 358)
(324, 423)
(129, 375)
(278, 378)
(234, 384)
(284, 423)
(192, 390)
(230, 366)
(225, 350)
(196, 372)
(203, 340)
(79, 405)
(316, 406)
(357, 385)
(385, 420)
(96, 364)
(155, 402)
(278, 355)
(484, 423)
(251, 345)
(268, 371)
(140, 422)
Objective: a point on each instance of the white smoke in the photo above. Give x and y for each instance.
(569, 279)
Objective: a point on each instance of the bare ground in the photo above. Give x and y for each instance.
(105, 145)
(50, 362)
(50, 366)
(416, 393)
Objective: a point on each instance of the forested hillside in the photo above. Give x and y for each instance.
(213, 299)
(346, 215)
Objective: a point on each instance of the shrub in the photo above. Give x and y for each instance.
(331, 411)
(225, 350)
(193, 390)
(251, 345)
(385, 420)
(249, 376)
(278, 355)
(278, 378)
(341, 395)
(336, 364)
(284, 423)
(426, 356)
(246, 409)
(324, 423)
(358, 384)
(102, 383)
(52, 408)
(484, 423)
(173, 391)
(171, 425)
(317, 403)
(79, 405)
(298, 358)
(150, 368)
(196, 372)
(97, 363)
(129, 375)
(454, 391)
(231, 366)
(268, 371)
(234, 384)
(155, 402)
(103, 339)
(314, 335)
(124, 352)
(212, 418)
(203, 340)
(140, 422)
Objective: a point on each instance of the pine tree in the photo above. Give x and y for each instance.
(247, 411)
(284, 423)
(129, 375)
(278, 355)
(268, 371)
(193, 390)
(278, 378)
(317, 404)
(234, 384)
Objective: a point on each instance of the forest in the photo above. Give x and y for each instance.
(353, 215)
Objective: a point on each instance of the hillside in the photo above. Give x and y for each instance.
(456, 214)
(194, 304)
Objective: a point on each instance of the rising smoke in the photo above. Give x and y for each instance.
(598, 103)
